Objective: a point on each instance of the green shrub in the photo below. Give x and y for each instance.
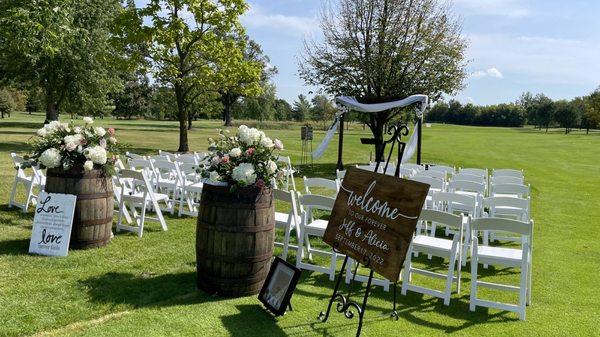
(7, 104)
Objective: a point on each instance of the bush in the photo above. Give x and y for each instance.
(508, 115)
(7, 104)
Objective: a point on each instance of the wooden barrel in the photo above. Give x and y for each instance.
(92, 222)
(234, 240)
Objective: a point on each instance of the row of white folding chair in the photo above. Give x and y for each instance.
(288, 171)
(31, 179)
(506, 207)
(449, 171)
(137, 198)
(451, 249)
(165, 177)
(510, 190)
(508, 173)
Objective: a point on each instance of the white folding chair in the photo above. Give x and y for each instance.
(468, 177)
(510, 190)
(370, 168)
(508, 208)
(340, 174)
(287, 221)
(187, 159)
(435, 185)
(440, 247)
(448, 170)
(171, 156)
(288, 171)
(476, 189)
(29, 182)
(142, 197)
(474, 171)
(321, 183)
(414, 167)
(191, 189)
(433, 174)
(314, 227)
(506, 180)
(132, 155)
(508, 173)
(118, 185)
(510, 257)
(168, 181)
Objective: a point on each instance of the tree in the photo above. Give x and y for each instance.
(134, 100)
(188, 45)
(283, 110)
(527, 102)
(246, 76)
(7, 104)
(377, 50)
(301, 109)
(322, 109)
(261, 107)
(63, 47)
(543, 110)
(592, 110)
(567, 114)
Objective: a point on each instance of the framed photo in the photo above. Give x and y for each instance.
(279, 286)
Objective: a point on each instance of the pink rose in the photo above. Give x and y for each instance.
(250, 151)
(71, 147)
(111, 131)
(260, 183)
(278, 144)
(225, 159)
(83, 141)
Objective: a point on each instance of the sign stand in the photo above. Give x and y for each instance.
(345, 304)
(306, 135)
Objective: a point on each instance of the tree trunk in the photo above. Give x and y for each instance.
(227, 112)
(190, 119)
(51, 107)
(183, 120)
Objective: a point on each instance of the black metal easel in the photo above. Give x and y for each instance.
(345, 304)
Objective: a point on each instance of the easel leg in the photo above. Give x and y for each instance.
(364, 305)
(323, 316)
(394, 313)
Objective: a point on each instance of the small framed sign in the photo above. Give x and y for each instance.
(279, 286)
(52, 224)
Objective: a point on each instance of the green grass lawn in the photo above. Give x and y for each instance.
(147, 286)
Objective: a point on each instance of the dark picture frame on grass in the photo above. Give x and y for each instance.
(279, 286)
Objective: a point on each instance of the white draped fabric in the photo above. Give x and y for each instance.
(351, 103)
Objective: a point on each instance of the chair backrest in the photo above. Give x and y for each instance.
(434, 174)
(483, 173)
(320, 183)
(167, 170)
(139, 178)
(502, 224)
(160, 157)
(370, 168)
(449, 170)
(187, 158)
(448, 219)
(455, 202)
(132, 155)
(407, 172)
(18, 162)
(434, 184)
(314, 201)
(506, 180)
(469, 177)
(286, 160)
(289, 197)
(466, 186)
(508, 173)
(507, 207)
(137, 164)
(340, 174)
(519, 190)
(169, 155)
(415, 167)
(189, 171)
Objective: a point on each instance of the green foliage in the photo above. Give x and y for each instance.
(283, 110)
(301, 109)
(7, 104)
(322, 110)
(134, 100)
(64, 48)
(568, 113)
(592, 109)
(453, 112)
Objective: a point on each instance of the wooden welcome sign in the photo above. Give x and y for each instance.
(374, 218)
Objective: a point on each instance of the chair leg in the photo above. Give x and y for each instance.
(474, 262)
(159, 214)
(308, 248)
(332, 266)
(286, 242)
(28, 199)
(11, 199)
(120, 218)
(406, 271)
(450, 277)
(143, 219)
(348, 273)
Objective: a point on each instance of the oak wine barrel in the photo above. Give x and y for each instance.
(92, 222)
(234, 240)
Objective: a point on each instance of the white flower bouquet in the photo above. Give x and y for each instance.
(244, 160)
(69, 147)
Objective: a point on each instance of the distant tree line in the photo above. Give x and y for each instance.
(538, 110)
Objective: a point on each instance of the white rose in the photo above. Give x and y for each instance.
(51, 158)
(80, 149)
(235, 152)
(42, 132)
(266, 142)
(77, 129)
(88, 165)
(88, 120)
(214, 176)
(271, 167)
(215, 160)
(100, 131)
(244, 173)
(76, 139)
(112, 140)
(71, 146)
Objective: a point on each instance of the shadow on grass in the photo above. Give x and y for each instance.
(252, 320)
(14, 247)
(17, 147)
(24, 125)
(145, 289)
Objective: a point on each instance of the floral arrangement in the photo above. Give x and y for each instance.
(67, 146)
(246, 159)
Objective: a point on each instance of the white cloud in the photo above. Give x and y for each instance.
(490, 72)
(256, 17)
(507, 8)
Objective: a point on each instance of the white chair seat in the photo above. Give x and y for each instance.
(433, 242)
(281, 218)
(317, 227)
(500, 254)
(194, 187)
(140, 196)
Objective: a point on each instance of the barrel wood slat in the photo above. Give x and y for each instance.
(92, 221)
(234, 240)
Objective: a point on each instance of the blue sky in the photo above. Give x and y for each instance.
(549, 46)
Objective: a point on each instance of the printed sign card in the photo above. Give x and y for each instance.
(52, 224)
(374, 218)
